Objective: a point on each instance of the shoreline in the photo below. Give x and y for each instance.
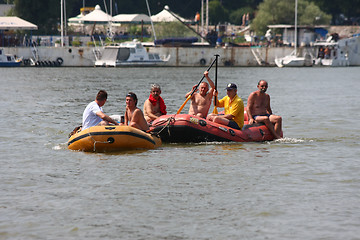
(193, 56)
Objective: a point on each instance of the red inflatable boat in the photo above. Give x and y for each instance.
(184, 128)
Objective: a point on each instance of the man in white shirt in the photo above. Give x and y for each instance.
(93, 114)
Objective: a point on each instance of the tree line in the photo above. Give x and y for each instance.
(46, 13)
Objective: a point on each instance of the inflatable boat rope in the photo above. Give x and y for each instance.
(172, 120)
(169, 120)
(95, 142)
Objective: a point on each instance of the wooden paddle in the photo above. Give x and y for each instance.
(216, 67)
(188, 98)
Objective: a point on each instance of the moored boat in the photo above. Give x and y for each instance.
(184, 128)
(331, 54)
(112, 139)
(129, 54)
(294, 61)
(8, 60)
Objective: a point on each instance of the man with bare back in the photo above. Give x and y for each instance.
(200, 102)
(134, 117)
(259, 110)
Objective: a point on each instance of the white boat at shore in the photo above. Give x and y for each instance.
(129, 54)
(330, 54)
(8, 60)
(293, 60)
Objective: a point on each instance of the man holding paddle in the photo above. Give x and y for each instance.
(234, 109)
(200, 102)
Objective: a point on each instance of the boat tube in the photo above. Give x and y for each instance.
(112, 139)
(184, 128)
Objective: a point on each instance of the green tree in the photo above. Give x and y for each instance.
(237, 15)
(350, 8)
(312, 15)
(217, 13)
(42, 13)
(283, 12)
(172, 29)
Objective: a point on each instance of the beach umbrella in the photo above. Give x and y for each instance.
(96, 16)
(165, 16)
(131, 18)
(75, 21)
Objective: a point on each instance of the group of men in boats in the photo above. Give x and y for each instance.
(154, 107)
(258, 108)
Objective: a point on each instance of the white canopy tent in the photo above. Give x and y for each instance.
(165, 16)
(16, 23)
(74, 21)
(96, 16)
(131, 18)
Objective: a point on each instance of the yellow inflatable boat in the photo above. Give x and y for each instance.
(112, 139)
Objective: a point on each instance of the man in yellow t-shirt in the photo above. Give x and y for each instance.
(234, 109)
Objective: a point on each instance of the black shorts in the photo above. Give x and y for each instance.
(233, 124)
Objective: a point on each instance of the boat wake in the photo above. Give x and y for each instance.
(60, 146)
(290, 140)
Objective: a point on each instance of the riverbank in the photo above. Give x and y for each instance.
(185, 56)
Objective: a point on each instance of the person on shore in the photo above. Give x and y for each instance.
(200, 102)
(259, 110)
(234, 109)
(154, 106)
(133, 114)
(93, 114)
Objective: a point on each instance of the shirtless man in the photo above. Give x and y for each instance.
(133, 114)
(200, 102)
(154, 107)
(259, 110)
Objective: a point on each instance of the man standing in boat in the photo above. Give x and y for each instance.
(154, 106)
(234, 109)
(93, 114)
(133, 114)
(200, 102)
(259, 110)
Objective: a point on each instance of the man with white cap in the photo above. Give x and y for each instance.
(234, 109)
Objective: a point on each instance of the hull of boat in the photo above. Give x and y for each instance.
(290, 62)
(112, 139)
(10, 64)
(184, 128)
(331, 62)
(100, 63)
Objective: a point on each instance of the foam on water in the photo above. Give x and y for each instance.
(290, 140)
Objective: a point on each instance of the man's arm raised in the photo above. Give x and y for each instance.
(206, 74)
(187, 94)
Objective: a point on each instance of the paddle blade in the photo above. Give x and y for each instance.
(215, 110)
(183, 105)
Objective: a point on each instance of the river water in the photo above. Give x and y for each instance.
(306, 186)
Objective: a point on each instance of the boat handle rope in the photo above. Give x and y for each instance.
(172, 120)
(218, 128)
(95, 142)
(169, 121)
